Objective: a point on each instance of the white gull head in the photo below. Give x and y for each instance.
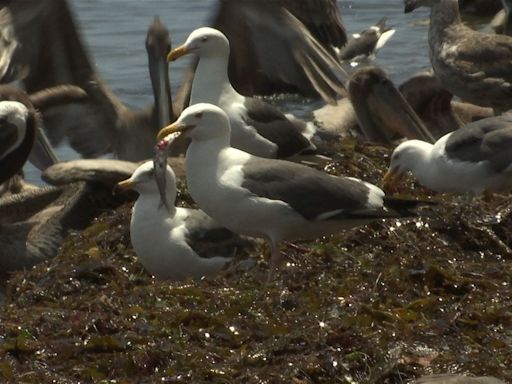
(208, 42)
(410, 155)
(204, 121)
(143, 181)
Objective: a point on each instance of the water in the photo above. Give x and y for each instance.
(115, 31)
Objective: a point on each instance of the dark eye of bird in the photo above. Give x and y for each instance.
(204, 38)
(199, 115)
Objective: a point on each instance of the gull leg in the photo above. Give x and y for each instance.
(275, 259)
(487, 195)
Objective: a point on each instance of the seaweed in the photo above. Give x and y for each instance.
(383, 303)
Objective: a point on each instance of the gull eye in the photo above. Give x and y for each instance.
(199, 115)
(204, 38)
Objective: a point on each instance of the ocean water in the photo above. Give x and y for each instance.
(114, 32)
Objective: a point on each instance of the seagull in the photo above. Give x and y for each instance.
(472, 159)
(281, 46)
(257, 127)
(276, 200)
(474, 66)
(366, 44)
(175, 243)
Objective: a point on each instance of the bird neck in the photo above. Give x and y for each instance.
(163, 113)
(443, 14)
(211, 80)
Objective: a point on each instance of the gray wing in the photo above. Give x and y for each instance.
(273, 125)
(272, 51)
(209, 239)
(312, 193)
(489, 140)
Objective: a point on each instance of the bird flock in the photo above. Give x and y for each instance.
(244, 158)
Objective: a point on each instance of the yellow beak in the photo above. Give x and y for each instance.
(173, 128)
(177, 53)
(390, 178)
(123, 186)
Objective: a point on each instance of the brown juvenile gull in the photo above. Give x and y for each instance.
(272, 199)
(472, 159)
(475, 66)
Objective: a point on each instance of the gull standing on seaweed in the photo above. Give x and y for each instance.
(257, 127)
(472, 159)
(272, 199)
(172, 242)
